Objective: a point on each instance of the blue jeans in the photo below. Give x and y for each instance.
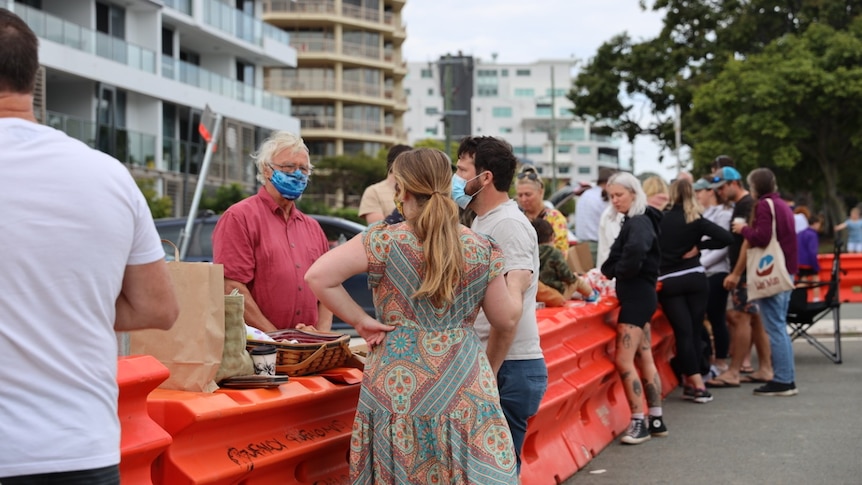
(773, 312)
(522, 383)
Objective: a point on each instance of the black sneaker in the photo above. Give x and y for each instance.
(636, 433)
(701, 396)
(773, 388)
(657, 427)
(687, 392)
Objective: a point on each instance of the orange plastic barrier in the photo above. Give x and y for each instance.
(850, 289)
(142, 440)
(585, 406)
(297, 433)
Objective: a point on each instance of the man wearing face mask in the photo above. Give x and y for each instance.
(266, 244)
(485, 169)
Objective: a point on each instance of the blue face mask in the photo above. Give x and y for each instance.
(289, 185)
(459, 186)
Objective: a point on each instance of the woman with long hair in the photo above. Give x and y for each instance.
(429, 410)
(634, 262)
(685, 290)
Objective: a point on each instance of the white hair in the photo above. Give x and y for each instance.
(633, 185)
(277, 142)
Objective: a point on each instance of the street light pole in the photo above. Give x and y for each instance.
(553, 133)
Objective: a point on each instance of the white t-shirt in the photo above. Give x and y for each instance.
(71, 219)
(588, 211)
(511, 229)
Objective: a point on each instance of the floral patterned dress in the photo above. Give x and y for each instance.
(429, 410)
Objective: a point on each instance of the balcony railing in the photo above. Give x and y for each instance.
(240, 24)
(302, 6)
(127, 146)
(184, 6)
(66, 33)
(299, 83)
(195, 76)
(317, 122)
(312, 44)
(361, 50)
(362, 89)
(361, 13)
(362, 126)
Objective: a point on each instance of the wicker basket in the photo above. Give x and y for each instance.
(315, 352)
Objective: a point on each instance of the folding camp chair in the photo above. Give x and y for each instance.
(803, 314)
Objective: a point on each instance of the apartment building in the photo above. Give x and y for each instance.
(132, 77)
(347, 88)
(525, 104)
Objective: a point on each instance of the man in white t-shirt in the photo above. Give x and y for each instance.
(588, 212)
(488, 166)
(81, 260)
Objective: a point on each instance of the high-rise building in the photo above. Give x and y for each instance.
(525, 104)
(347, 87)
(132, 77)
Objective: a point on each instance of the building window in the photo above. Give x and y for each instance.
(530, 150)
(584, 150)
(427, 74)
(584, 170)
(543, 111)
(505, 129)
(525, 93)
(432, 111)
(573, 134)
(557, 92)
(430, 91)
(565, 112)
(522, 72)
(245, 72)
(504, 73)
(431, 131)
(486, 73)
(407, 91)
(564, 149)
(486, 91)
(501, 112)
(564, 169)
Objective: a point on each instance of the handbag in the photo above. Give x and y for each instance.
(235, 360)
(765, 268)
(192, 348)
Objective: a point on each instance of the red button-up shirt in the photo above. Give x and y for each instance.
(270, 255)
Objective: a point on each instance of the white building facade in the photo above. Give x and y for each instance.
(525, 104)
(131, 78)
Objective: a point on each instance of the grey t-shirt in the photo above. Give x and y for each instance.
(511, 229)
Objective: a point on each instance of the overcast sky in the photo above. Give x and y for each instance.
(525, 31)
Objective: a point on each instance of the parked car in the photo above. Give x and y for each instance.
(200, 249)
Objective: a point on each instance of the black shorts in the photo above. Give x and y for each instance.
(638, 301)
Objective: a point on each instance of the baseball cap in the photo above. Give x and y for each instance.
(726, 174)
(701, 184)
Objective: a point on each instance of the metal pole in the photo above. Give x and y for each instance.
(185, 237)
(677, 131)
(553, 133)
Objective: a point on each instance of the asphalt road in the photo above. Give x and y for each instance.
(739, 438)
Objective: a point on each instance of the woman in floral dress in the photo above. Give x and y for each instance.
(428, 411)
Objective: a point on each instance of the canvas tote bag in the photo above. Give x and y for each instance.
(192, 348)
(765, 268)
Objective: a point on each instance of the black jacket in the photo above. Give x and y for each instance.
(635, 252)
(678, 237)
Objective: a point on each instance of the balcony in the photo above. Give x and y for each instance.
(184, 6)
(195, 76)
(241, 25)
(362, 126)
(128, 146)
(313, 122)
(300, 6)
(57, 30)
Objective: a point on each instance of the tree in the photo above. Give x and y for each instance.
(698, 39)
(438, 145)
(225, 196)
(345, 175)
(796, 107)
(159, 206)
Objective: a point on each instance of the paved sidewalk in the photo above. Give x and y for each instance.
(739, 438)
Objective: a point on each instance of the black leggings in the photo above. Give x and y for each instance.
(683, 300)
(716, 313)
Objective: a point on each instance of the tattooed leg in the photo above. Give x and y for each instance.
(628, 339)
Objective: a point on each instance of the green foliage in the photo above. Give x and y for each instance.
(438, 145)
(225, 196)
(159, 206)
(347, 174)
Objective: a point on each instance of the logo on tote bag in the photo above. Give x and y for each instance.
(765, 265)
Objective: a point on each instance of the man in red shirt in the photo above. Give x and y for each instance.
(266, 244)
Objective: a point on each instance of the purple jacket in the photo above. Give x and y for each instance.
(759, 232)
(807, 243)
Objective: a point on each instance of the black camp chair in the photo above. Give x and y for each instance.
(802, 314)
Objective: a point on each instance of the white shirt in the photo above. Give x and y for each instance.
(72, 220)
(587, 214)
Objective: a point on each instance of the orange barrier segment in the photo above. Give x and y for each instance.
(850, 289)
(297, 433)
(142, 440)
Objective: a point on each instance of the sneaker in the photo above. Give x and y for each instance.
(687, 392)
(636, 433)
(657, 427)
(701, 396)
(773, 388)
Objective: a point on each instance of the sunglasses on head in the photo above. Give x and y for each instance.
(530, 175)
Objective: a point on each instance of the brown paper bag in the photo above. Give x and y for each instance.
(235, 360)
(579, 258)
(192, 348)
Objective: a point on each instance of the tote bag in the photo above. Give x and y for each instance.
(765, 268)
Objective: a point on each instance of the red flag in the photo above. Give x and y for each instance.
(207, 124)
